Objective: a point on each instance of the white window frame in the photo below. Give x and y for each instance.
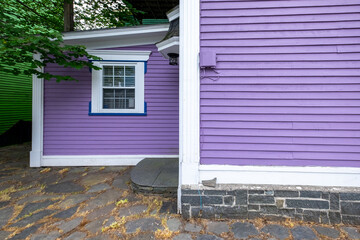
(118, 58)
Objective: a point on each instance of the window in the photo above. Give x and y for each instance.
(118, 88)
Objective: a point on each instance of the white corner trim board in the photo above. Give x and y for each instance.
(37, 118)
(281, 175)
(189, 94)
(97, 160)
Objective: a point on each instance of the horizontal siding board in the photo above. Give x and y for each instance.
(288, 86)
(68, 130)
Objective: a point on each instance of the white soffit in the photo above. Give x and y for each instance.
(170, 45)
(118, 37)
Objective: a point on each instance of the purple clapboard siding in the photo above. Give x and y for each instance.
(68, 130)
(289, 86)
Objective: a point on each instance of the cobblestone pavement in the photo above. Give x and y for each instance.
(96, 203)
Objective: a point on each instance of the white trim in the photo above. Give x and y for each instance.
(189, 94)
(37, 118)
(174, 14)
(170, 45)
(121, 55)
(97, 160)
(97, 83)
(118, 37)
(116, 32)
(281, 175)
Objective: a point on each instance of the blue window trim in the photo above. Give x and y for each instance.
(145, 63)
(118, 114)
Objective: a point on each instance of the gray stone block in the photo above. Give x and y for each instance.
(214, 192)
(334, 217)
(185, 209)
(183, 236)
(352, 232)
(174, 224)
(229, 200)
(217, 227)
(189, 227)
(310, 194)
(261, 199)
(334, 201)
(314, 204)
(256, 191)
(254, 207)
(241, 197)
(351, 220)
(350, 208)
(203, 212)
(350, 196)
(285, 193)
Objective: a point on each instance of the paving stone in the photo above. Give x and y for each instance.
(352, 232)
(95, 178)
(37, 198)
(5, 215)
(146, 236)
(74, 200)
(33, 218)
(121, 183)
(133, 210)
(100, 212)
(32, 207)
(74, 170)
(103, 199)
(49, 179)
(303, 233)
(189, 227)
(109, 221)
(76, 236)
(116, 169)
(46, 236)
(66, 213)
(174, 224)
(4, 234)
(208, 237)
(328, 232)
(95, 226)
(25, 233)
(4, 204)
(277, 231)
(99, 187)
(145, 224)
(102, 237)
(218, 227)
(183, 236)
(168, 207)
(243, 230)
(69, 225)
(64, 187)
(24, 192)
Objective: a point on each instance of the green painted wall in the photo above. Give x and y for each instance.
(15, 99)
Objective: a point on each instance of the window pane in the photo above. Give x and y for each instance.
(130, 71)
(118, 82)
(119, 93)
(130, 98)
(108, 104)
(109, 93)
(108, 71)
(119, 71)
(130, 82)
(108, 82)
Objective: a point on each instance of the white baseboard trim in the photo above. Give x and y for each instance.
(301, 176)
(97, 160)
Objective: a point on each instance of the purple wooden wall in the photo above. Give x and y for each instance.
(68, 130)
(289, 87)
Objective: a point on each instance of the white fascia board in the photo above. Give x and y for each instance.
(170, 45)
(282, 175)
(116, 32)
(174, 14)
(122, 37)
(121, 55)
(97, 160)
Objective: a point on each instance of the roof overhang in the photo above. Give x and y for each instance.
(117, 37)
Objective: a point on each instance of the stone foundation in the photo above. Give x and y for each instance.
(321, 205)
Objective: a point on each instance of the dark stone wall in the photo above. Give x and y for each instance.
(315, 206)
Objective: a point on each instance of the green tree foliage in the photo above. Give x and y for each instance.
(29, 27)
(92, 14)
